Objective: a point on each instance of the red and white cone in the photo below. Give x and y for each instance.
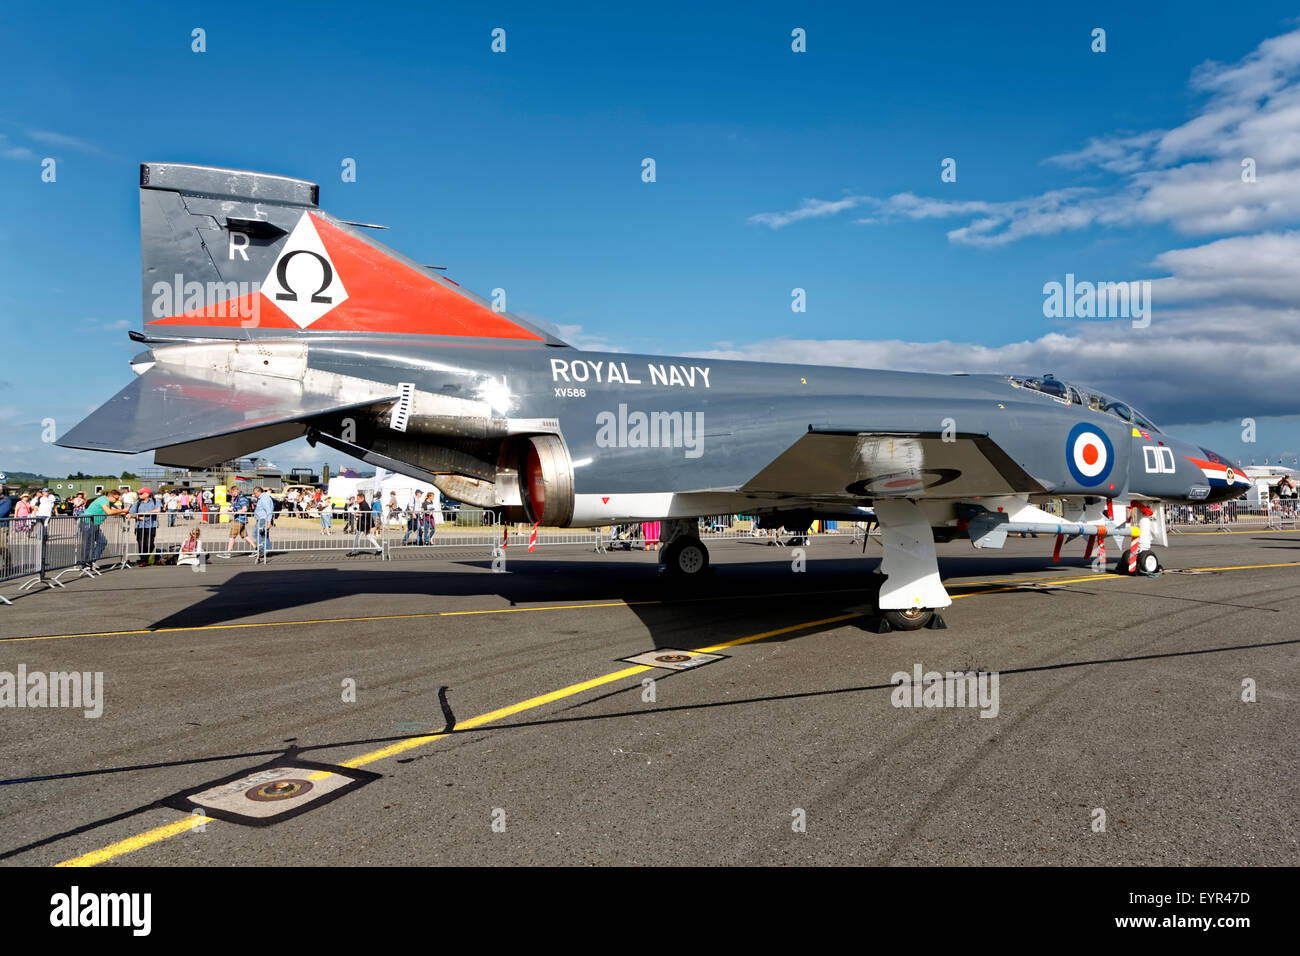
(1133, 555)
(532, 538)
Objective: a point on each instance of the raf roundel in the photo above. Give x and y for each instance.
(1089, 454)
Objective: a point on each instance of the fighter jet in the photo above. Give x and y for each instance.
(266, 318)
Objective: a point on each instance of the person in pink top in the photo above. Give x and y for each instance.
(22, 511)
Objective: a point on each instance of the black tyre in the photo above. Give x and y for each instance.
(686, 557)
(912, 619)
(1148, 563)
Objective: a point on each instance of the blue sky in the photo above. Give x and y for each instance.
(522, 170)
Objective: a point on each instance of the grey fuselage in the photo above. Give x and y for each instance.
(736, 417)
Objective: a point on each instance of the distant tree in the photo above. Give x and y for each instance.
(127, 476)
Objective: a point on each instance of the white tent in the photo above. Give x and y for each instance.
(405, 488)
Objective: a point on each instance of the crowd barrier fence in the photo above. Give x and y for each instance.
(44, 550)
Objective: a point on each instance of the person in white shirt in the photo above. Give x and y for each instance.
(45, 504)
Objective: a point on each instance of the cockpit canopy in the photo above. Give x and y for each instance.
(1091, 398)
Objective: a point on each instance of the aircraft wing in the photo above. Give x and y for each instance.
(198, 417)
(831, 462)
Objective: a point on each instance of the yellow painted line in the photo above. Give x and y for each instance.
(140, 840)
(131, 844)
(479, 721)
(1257, 531)
(780, 630)
(1013, 585)
(495, 715)
(324, 620)
(556, 607)
(1245, 567)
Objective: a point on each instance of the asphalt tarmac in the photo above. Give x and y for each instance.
(508, 728)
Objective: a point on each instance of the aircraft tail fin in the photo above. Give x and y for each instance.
(234, 254)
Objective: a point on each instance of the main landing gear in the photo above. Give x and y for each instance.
(912, 619)
(682, 555)
(911, 593)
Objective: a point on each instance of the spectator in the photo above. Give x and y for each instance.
(429, 520)
(415, 519)
(239, 510)
(22, 512)
(172, 503)
(263, 514)
(44, 505)
(325, 507)
(1286, 494)
(94, 541)
(192, 551)
(366, 515)
(145, 508)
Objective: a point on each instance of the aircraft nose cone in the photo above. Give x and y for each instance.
(1227, 481)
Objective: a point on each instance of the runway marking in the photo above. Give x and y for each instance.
(140, 840)
(156, 835)
(324, 620)
(166, 831)
(1012, 585)
(1260, 531)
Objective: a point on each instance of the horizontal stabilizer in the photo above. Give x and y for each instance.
(166, 407)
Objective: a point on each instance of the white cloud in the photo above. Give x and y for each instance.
(1189, 177)
(8, 151)
(1220, 342)
(808, 209)
(575, 336)
(63, 141)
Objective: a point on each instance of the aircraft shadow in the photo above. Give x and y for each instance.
(827, 586)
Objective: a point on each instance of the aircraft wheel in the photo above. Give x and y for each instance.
(911, 619)
(686, 557)
(1148, 563)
